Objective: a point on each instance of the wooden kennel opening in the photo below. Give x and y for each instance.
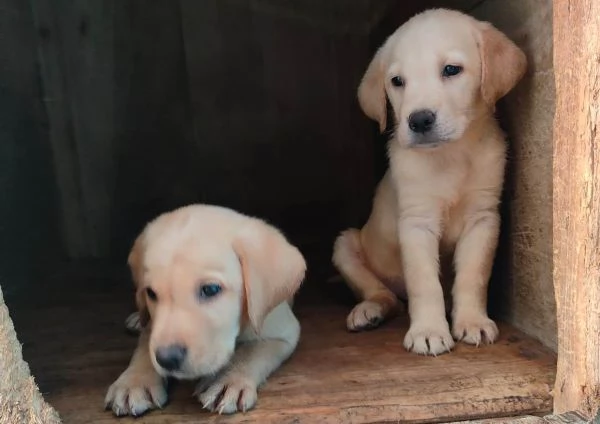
(112, 112)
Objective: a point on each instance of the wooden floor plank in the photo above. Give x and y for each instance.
(75, 343)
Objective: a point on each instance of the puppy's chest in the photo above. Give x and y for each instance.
(449, 186)
(461, 201)
(457, 190)
(453, 223)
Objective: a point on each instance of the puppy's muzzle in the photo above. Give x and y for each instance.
(171, 358)
(424, 129)
(421, 121)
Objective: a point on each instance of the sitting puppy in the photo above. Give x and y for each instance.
(213, 291)
(443, 72)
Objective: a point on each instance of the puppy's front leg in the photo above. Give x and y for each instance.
(419, 242)
(255, 358)
(139, 388)
(473, 259)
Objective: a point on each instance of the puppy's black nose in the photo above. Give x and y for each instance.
(171, 357)
(421, 121)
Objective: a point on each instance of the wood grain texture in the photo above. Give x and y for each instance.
(522, 287)
(152, 105)
(566, 418)
(577, 204)
(157, 167)
(76, 46)
(73, 338)
(64, 152)
(87, 37)
(275, 114)
(29, 228)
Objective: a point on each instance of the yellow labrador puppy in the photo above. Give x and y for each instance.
(213, 291)
(443, 72)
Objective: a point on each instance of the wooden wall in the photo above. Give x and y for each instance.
(29, 234)
(522, 290)
(576, 195)
(247, 104)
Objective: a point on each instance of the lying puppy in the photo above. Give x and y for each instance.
(442, 72)
(213, 291)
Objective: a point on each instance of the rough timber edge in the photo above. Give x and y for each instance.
(566, 418)
(20, 399)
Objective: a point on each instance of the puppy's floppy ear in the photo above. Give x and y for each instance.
(503, 63)
(136, 266)
(371, 91)
(272, 269)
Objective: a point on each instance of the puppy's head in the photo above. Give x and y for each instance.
(202, 273)
(440, 70)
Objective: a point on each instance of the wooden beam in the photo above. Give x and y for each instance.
(576, 209)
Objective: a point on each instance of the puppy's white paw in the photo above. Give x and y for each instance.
(228, 394)
(429, 338)
(475, 329)
(365, 316)
(133, 323)
(134, 393)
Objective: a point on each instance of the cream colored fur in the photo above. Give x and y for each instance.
(235, 339)
(435, 199)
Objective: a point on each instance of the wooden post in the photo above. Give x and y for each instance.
(576, 206)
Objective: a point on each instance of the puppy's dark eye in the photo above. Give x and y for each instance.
(209, 290)
(451, 70)
(150, 293)
(397, 82)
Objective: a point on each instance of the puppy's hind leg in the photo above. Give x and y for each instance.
(377, 301)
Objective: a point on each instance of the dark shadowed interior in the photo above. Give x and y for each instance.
(113, 112)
